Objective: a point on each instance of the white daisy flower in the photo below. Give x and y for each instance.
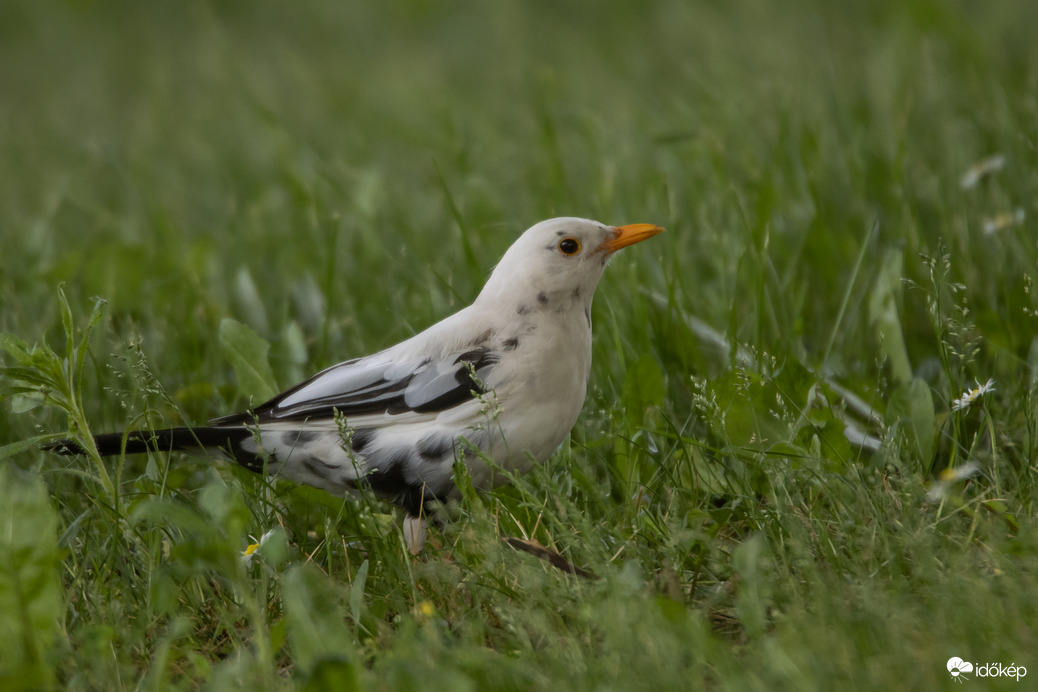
(971, 395)
(247, 554)
(949, 477)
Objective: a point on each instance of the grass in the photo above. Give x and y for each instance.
(334, 177)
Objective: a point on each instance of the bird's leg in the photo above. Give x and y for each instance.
(414, 533)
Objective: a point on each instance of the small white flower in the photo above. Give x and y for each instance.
(246, 555)
(970, 396)
(967, 470)
(1002, 221)
(949, 477)
(985, 167)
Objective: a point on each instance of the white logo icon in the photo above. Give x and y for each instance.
(957, 667)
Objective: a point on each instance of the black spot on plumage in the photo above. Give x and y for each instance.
(542, 298)
(577, 292)
(315, 462)
(434, 447)
(388, 481)
(315, 467)
(468, 377)
(480, 358)
(522, 310)
(511, 344)
(361, 438)
(301, 437)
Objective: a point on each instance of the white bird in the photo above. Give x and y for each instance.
(504, 380)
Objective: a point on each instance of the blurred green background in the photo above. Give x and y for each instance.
(849, 194)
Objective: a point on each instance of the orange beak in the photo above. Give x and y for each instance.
(629, 235)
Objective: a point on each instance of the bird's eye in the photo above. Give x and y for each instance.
(569, 246)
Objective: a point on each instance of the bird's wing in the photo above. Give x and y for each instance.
(379, 386)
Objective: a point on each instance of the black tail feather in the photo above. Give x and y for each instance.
(227, 440)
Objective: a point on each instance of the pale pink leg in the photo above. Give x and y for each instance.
(414, 533)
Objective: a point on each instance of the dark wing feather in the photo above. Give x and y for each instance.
(372, 386)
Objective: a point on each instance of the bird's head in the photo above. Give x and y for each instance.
(560, 261)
